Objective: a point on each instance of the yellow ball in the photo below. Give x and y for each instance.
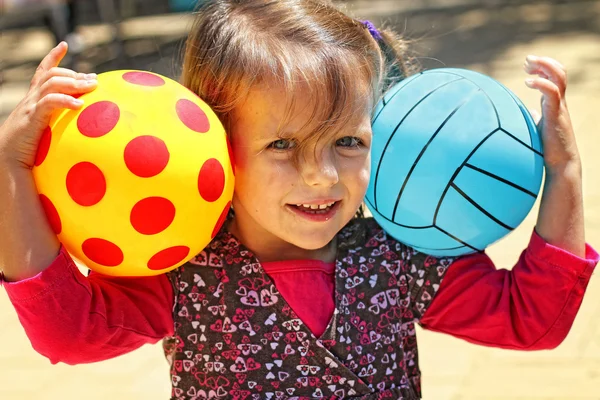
(139, 180)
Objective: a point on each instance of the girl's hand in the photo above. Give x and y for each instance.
(560, 147)
(51, 88)
(560, 220)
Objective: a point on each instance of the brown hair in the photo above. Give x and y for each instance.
(237, 44)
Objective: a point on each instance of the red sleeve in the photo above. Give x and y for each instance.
(530, 307)
(73, 319)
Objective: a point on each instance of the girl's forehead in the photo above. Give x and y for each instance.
(287, 113)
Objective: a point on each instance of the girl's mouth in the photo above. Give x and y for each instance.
(313, 212)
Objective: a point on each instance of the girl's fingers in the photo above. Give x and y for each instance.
(64, 72)
(67, 85)
(52, 59)
(548, 68)
(550, 63)
(58, 71)
(551, 92)
(557, 66)
(53, 101)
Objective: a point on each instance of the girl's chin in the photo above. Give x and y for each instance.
(311, 239)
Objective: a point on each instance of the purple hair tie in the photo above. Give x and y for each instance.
(372, 29)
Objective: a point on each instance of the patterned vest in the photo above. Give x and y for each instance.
(237, 338)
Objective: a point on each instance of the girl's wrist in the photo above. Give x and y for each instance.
(11, 165)
(568, 169)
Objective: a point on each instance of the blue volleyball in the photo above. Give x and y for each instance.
(457, 162)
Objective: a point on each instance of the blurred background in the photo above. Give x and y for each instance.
(490, 36)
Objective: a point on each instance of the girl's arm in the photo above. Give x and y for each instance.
(75, 319)
(27, 242)
(532, 306)
(560, 219)
(67, 317)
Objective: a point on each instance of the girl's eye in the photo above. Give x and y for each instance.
(349, 141)
(282, 144)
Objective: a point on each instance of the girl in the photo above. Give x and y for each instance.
(298, 296)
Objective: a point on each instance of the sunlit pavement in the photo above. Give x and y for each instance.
(494, 42)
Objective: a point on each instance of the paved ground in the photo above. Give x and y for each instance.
(492, 41)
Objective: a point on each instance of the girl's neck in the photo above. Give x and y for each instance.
(268, 248)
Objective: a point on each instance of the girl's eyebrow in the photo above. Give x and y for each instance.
(275, 134)
(267, 137)
(361, 130)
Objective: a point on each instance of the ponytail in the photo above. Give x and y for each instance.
(399, 64)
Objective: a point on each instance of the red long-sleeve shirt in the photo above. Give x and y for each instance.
(75, 319)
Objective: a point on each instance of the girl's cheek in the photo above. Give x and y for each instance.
(239, 161)
(363, 174)
(240, 155)
(357, 166)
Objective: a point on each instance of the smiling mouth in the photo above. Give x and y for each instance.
(316, 212)
(314, 208)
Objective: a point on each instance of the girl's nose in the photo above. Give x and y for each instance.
(319, 170)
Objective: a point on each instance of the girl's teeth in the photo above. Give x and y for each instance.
(315, 207)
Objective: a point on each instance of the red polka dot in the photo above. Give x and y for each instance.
(221, 220)
(146, 156)
(152, 215)
(231, 160)
(143, 78)
(192, 116)
(102, 252)
(43, 147)
(51, 214)
(211, 180)
(86, 184)
(98, 119)
(168, 258)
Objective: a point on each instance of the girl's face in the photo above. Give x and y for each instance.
(288, 208)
